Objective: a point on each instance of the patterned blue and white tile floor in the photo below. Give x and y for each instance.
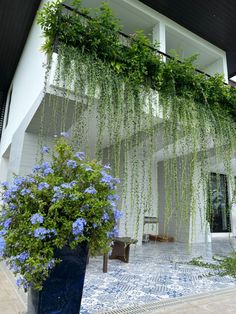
(156, 271)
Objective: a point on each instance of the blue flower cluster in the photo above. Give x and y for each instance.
(36, 218)
(21, 281)
(109, 180)
(80, 155)
(43, 185)
(7, 223)
(50, 264)
(58, 195)
(105, 217)
(114, 233)
(22, 257)
(2, 245)
(71, 163)
(90, 190)
(25, 191)
(45, 150)
(36, 168)
(78, 226)
(68, 185)
(41, 233)
(46, 168)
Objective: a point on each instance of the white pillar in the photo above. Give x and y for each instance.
(225, 68)
(159, 35)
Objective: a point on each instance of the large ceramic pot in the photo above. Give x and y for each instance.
(62, 291)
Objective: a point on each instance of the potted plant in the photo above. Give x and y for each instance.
(50, 219)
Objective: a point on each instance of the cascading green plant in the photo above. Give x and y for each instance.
(140, 106)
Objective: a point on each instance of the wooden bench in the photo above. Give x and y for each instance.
(120, 250)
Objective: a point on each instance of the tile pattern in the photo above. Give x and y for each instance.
(156, 271)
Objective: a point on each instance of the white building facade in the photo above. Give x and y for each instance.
(20, 136)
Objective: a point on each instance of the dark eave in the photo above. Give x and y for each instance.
(16, 17)
(213, 20)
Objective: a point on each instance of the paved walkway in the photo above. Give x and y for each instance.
(223, 301)
(10, 300)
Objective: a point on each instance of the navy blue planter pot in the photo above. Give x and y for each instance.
(62, 291)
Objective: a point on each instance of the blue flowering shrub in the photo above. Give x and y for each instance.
(62, 203)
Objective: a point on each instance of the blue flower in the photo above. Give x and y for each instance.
(117, 214)
(3, 213)
(116, 180)
(65, 185)
(25, 192)
(58, 194)
(113, 204)
(43, 185)
(50, 264)
(7, 223)
(2, 245)
(45, 149)
(19, 180)
(9, 194)
(40, 233)
(114, 233)
(80, 155)
(12, 206)
(22, 257)
(46, 164)
(14, 189)
(113, 197)
(14, 267)
(90, 190)
(71, 163)
(47, 171)
(2, 232)
(95, 225)
(30, 180)
(21, 281)
(106, 178)
(5, 184)
(107, 167)
(68, 185)
(78, 226)
(105, 217)
(36, 218)
(36, 168)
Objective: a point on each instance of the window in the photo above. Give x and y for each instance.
(218, 203)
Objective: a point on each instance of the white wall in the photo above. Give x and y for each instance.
(27, 84)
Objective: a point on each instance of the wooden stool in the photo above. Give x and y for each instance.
(121, 247)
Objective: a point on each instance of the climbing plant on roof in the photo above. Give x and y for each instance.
(140, 106)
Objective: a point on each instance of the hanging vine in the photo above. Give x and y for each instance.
(129, 105)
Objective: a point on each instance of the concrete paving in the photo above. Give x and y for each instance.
(222, 301)
(11, 302)
(217, 303)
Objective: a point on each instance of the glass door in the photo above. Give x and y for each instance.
(218, 207)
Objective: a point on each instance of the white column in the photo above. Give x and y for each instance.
(159, 35)
(225, 68)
